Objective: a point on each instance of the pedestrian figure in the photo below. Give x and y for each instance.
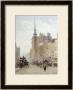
(44, 64)
(45, 68)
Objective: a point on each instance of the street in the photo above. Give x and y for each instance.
(33, 69)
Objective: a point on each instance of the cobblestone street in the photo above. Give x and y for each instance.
(33, 69)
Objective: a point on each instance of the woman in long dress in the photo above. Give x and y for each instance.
(44, 66)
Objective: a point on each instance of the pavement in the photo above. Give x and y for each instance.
(33, 69)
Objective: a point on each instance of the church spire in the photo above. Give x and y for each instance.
(34, 27)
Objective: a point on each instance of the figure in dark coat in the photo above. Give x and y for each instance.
(45, 68)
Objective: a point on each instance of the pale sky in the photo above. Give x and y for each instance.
(25, 30)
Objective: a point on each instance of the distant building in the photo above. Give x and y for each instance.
(43, 47)
(17, 53)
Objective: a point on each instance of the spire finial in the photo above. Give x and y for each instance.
(34, 26)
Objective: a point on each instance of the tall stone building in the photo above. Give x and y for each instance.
(17, 54)
(34, 50)
(43, 47)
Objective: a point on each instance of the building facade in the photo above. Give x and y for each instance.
(43, 47)
(17, 54)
